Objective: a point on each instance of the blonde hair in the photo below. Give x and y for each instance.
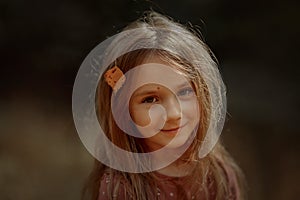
(184, 49)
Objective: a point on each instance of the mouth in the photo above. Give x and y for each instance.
(172, 130)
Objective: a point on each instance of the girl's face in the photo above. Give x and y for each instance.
(167, 88)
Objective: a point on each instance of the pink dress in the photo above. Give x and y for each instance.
(167, 188)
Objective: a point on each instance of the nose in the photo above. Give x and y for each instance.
(173, 109)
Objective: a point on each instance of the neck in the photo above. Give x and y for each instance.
(177, 169)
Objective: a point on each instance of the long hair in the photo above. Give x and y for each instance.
(183, 48)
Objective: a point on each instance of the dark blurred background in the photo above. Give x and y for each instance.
(44, 42)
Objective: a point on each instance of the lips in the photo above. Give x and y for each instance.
(172, 129)
(170, 132)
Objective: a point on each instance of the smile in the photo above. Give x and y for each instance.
(172, 130)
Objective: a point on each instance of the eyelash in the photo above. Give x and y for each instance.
(145, 100)
(188, 89)
(153, 99)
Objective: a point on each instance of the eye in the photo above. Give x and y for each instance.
(150, 100)
(185, 91)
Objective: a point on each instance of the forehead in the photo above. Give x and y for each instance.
(157, 73)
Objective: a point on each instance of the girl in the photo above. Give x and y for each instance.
(162, 97)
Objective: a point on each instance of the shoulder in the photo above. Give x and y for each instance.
(231, 180)
(113, 186)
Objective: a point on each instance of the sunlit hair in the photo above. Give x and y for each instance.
(174, 50)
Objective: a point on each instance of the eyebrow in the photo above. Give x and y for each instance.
(152, 91)
(184, 85)
(145, 92)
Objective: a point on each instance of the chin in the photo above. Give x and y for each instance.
(178, 143)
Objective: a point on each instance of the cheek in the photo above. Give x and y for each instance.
(190, 109)
(140, 116)
(149, 121)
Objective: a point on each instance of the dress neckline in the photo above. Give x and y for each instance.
(167, 177)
